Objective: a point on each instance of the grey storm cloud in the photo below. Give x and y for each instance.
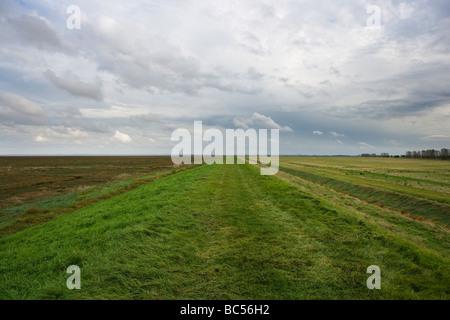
(142, 61)
(388, 109)
(86, 125)
(70, 111)
(71, 117)
(17, 109)
(424, 88)
(6, 7)
(142, 69)
(385, 109)
(32, 31)
(152, 63)
(409, 19)
(145, 118)
(95, 126)
(75, 86)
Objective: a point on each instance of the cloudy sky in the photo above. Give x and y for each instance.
(135, 71)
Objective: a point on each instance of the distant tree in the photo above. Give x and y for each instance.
(428, 154)
(367, 155)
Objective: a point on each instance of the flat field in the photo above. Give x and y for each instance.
(226, 232)
(36, 189)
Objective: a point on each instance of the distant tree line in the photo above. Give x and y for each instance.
(373, 155)
(368, 155)
(424, 154)
(429, 154)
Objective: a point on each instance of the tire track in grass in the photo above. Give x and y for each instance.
(249, 245)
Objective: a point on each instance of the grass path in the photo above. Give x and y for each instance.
(217, 232)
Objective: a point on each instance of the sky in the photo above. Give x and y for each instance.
(325, 73)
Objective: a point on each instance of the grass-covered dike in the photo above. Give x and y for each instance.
(218, 232)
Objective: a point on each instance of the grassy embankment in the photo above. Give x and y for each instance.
(220, 231)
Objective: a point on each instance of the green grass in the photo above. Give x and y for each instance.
(426, 209)
(422, 232)
(428, 181)
(47, 187)
(218, 232)
(425, 189)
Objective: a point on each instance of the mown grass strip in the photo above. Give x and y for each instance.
(391, 175)
(365, 178)
(421, 232)
(436, 212)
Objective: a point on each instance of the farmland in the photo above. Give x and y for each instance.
(37, 189)
(226, 232)
(410, 197)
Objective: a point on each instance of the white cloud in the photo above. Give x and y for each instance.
(318, 133)
(113, 111)
(260, 121)
(41, 139)
(437, 137)
(122, 137)
(365, 145)
(60, 133)
(336, 135)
